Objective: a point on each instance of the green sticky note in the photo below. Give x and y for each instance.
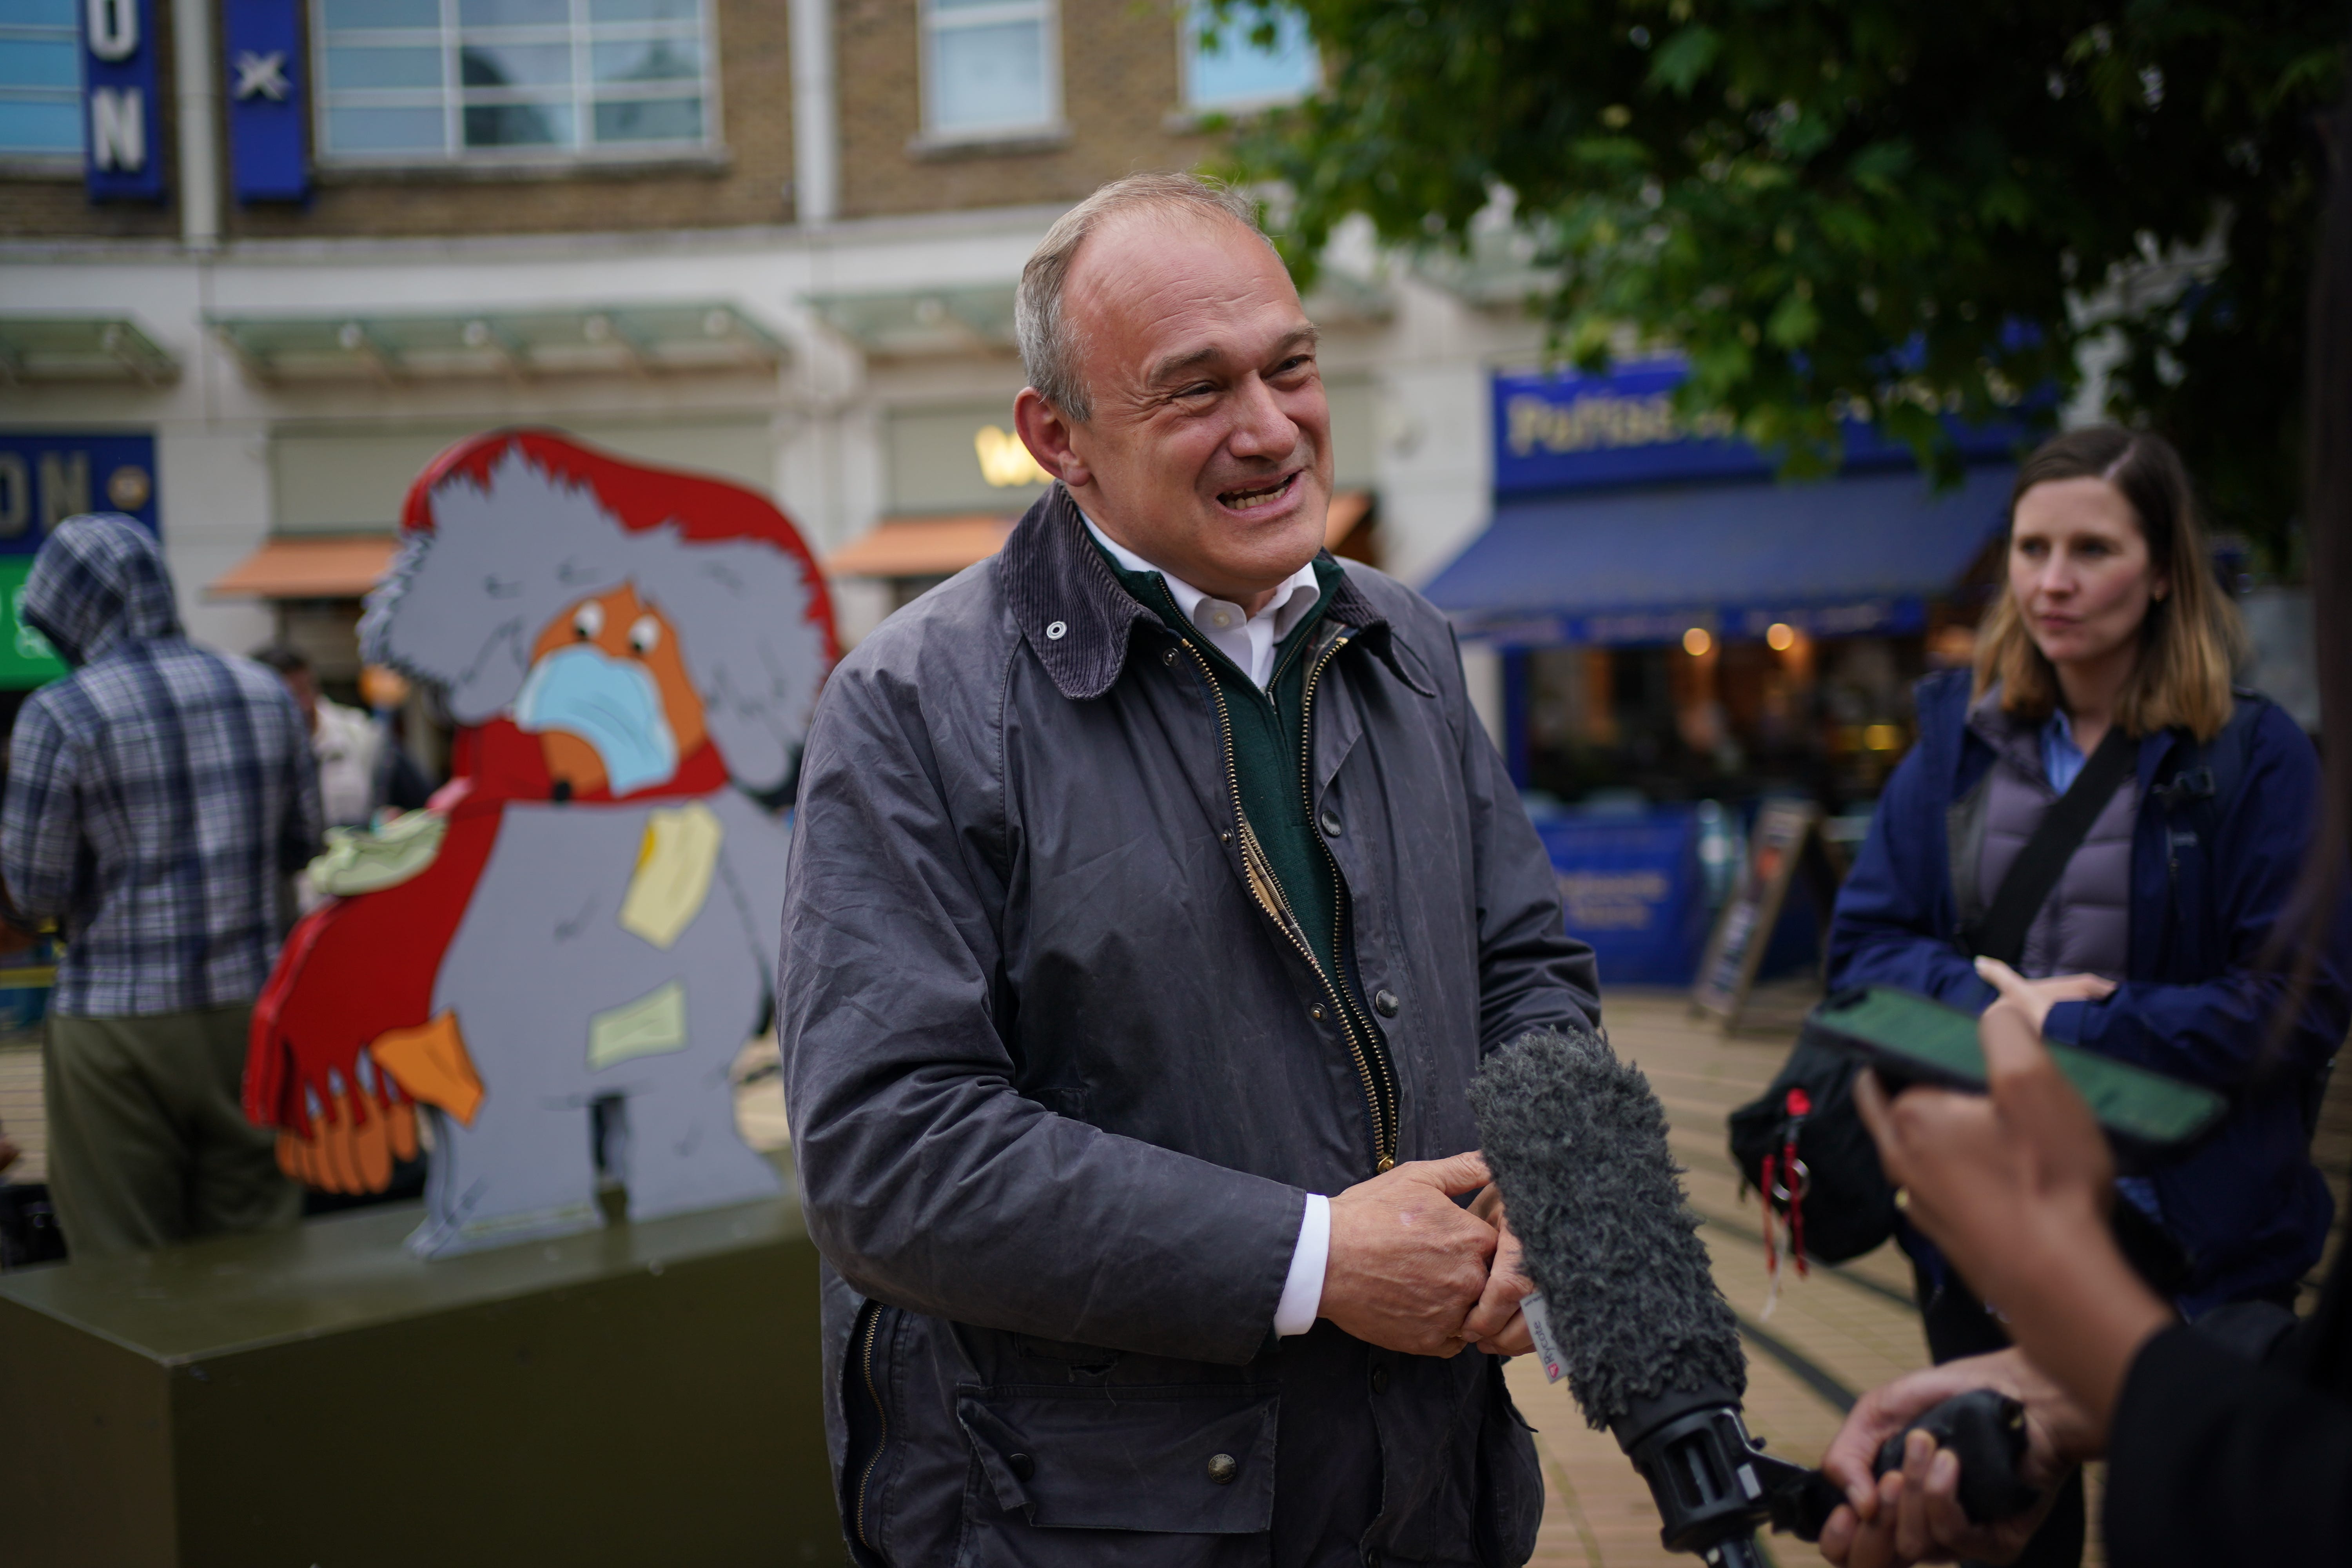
(649, 1026)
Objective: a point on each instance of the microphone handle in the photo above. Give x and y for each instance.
(1735, 1552)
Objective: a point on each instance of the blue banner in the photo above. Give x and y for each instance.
(262, 47)
(1570, 431)
(1631, 887)
(122, 123)
(47, 478)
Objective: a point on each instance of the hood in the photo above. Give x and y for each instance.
(98, 580)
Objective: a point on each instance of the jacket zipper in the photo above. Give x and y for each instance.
(1340, 902)
(881, 1416)
(1259, 873)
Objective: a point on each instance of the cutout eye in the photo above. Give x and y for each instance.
(588, 622)
(644, 635)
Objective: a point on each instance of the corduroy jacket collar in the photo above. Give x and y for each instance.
(1078, 617)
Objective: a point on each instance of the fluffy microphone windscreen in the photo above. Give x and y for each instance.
(1578, 1141)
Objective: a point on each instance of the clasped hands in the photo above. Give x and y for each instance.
(1411, 1269)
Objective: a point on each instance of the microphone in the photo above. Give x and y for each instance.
(1577, 1141)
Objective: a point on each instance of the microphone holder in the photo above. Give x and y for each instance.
(1714, 1484)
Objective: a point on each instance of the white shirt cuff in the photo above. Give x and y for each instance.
(1302, 1292)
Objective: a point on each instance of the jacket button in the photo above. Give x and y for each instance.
(1384, 1003)
(1330, 823)
(1221, 1468)
(1379, 1380)
(1169, 658)
(1020, 1465)
(1315, 1014)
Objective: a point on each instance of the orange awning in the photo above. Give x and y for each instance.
(942, 546)
(921, 547)
(1347, 508)
(308, 569)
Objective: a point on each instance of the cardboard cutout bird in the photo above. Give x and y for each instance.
(580, 931)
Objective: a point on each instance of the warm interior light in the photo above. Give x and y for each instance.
(1696, 642)
(1882, 737)
(1780, 637)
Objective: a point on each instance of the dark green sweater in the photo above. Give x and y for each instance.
(1270, 749)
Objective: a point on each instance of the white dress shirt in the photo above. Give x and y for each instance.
(1250, 641)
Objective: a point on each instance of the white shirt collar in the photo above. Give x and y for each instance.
(1248, 640)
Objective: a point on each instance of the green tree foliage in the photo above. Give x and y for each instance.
(1863, 207)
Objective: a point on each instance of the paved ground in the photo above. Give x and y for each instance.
(1827, 1338)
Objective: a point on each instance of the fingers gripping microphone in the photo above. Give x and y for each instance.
(1578, 1141)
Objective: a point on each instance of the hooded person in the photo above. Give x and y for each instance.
(158, 800)
(561, 956)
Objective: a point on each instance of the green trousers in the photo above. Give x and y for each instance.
(148, 1142)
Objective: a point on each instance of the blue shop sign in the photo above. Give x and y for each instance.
(1566, 430)
(123, 155)
(262, 42)
(1631, 887)
(45, 477)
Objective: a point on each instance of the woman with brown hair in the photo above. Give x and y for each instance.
(2141, 916)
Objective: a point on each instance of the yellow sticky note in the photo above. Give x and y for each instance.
(649, 1026)
(674, 861)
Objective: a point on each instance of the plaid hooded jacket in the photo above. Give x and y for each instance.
(157, 797)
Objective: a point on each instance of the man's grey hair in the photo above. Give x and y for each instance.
(1050, 349)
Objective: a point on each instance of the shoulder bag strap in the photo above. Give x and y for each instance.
(2035, 871)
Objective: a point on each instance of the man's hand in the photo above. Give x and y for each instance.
(2036, 997)
(1914, 1515)
(1407, 1264)
(1496, 1325)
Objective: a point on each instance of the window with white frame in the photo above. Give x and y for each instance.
(991, 67)
(424, 81)
(40, 79)
(1228, 67)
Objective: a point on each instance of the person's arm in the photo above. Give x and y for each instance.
(1883, 930)
(1532, 973)
(931, 1182)
(2211, 1460)
(303, 827)
(2217, 1033)
(40, 823)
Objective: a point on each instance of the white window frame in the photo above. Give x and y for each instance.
(930, 22)
(1188, 16)
(50, 157)
(451, 96)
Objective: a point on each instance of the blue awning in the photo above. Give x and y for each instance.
(1841, 558)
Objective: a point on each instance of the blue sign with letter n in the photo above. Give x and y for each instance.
(123, 147)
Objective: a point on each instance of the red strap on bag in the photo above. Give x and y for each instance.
(1785, 1179)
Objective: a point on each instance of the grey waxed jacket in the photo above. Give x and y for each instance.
(1059, 1085)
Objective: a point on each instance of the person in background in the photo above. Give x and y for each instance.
(2156, 946)
(2227, 1438)
(363, 767)
(156, 797)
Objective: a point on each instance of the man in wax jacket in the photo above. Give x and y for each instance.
(1154, 897)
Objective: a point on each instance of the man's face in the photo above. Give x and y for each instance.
(1209, 451)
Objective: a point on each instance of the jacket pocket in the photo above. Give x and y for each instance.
(1054, 1468)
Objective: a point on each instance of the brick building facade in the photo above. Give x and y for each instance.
(775, 239)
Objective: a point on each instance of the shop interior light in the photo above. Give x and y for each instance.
(1780, 637)
(1696, 642)
(1882, 737)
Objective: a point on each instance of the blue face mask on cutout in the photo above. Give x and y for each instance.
(611, 704)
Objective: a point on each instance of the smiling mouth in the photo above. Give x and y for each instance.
(1263, 495)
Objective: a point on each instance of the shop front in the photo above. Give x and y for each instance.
(1682, 635)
